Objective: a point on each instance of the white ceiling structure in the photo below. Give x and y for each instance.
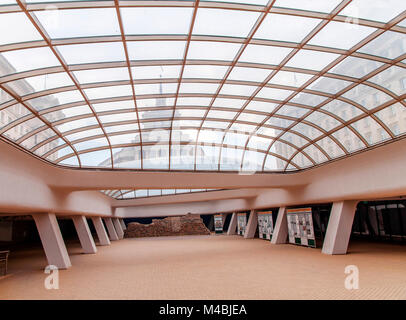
(223, 86)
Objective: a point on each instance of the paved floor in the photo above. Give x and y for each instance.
(210, 267)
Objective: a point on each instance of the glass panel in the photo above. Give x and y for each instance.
(79, 23)
(191, 113)
(313, 60)
(156, 88)
(394, 117)
(117, 105)
(118, 117)
(192, 101)
(241, 127)
(204, 71)
(323, 120)
(100, 158)
(71, 125)
(264, 54)
(156, 50)
(308, 99)
(341, 35)
(13, 113)
(342, 109)
(393, 79)
(84, 134)
(330, 147)
(294, 139)
(66, 113)
(160, 102)
(108, 92)
(235, 89)
(155, 72)
(349, 139)
(366, 96)
(307, 130)
(293, 79)
(267, 107)
(282, 149)
(183, 157)
(273, 163)
(142, 193)
(38, 138)
(28, 59)
(250, 117)
(102, 75)
(211, 136)
(259, 143)
(233, 23)
(206, 50)
(370, 130)
(231, 159)
(292, 111)
(310, 5)
(388, 45)
(275, 94)
(253, 161)
(127, 158)
(315, 154)
(229, 103)
(19, 29)
(249, 74)
(355, 67)
(22, 129)
(92, 52)
(378, 10)
(91, 144)
(156, 157)
(235, 139)
(120, 128)
(221, 114)
(55, 99)
(284, 123)
(294, 29)
(215, 124)
(302, 161)
(125, 138)
(156, 20)
(254, 2)
(157, 135)
(209, 88)
(329, 85)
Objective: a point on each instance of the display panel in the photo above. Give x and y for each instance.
(241, 223)
(265, 225)
(300, 227)
(218, 223)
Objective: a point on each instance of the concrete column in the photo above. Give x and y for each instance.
(339, 227)
(280, 232)
(84, 234)
(110, 227)
(52, 241)
(233, 225)
(252, 225)
(119, 230)
(123, 226)
(101, 231)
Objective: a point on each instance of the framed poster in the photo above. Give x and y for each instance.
(218, 223)
(265, 225)
(300, 227)
(241, 223)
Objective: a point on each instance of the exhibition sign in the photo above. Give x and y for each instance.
(241, 223)
(218, 223)
(300, 227)
(265, 225)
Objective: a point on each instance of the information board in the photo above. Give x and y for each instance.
(300, 227)
(218, 223)
(241, 223)
(265, 225)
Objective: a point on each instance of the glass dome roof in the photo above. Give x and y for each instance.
(252, 86)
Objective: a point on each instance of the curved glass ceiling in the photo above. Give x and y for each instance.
(202, 85)
(144, 193)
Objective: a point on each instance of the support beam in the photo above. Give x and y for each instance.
(110, 227)
(52, 241)
(280, 232)
(119, 230)
(233, 225)
(101, 231)
(251, 225)
(84, 234)
(123, 226)
(339, 227)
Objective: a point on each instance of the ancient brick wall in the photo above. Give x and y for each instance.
(189, 224)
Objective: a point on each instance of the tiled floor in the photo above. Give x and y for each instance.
(210, 267)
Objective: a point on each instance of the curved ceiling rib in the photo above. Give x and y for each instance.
(261, 86)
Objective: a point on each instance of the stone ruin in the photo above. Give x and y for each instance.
(190, 224)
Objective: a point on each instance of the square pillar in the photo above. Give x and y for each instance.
(85, 237)
(280, 232)
(52, 241)
(119, 230)
(339, 227)
(123, 226)
(251, 225)
(110, 227)
(101, 231)
(233, 225)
